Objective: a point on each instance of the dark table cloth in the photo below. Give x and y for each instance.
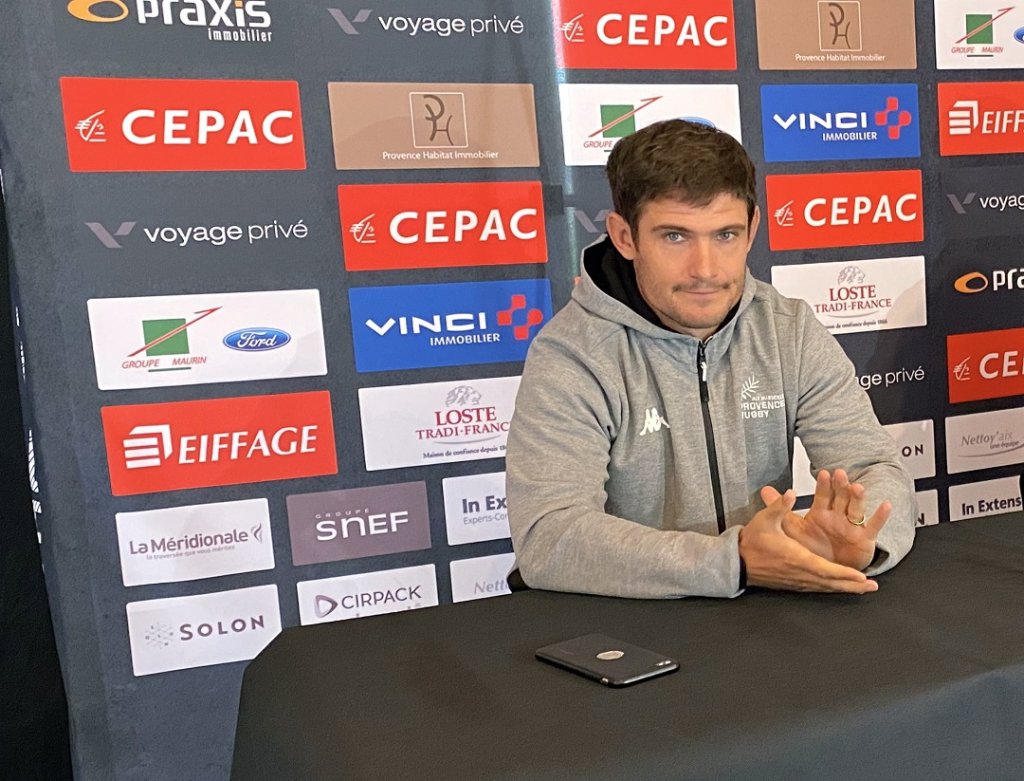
(922, 680)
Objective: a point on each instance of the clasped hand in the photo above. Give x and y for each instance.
(824, 550)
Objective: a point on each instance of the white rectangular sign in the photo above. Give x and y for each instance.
(368, 594)
(596, 116)
(194, 542)
(850, 296)
(978, 36)
(216, 337)
(475, 508)
(183, 632)
(988, 497)
(984, 440)
(436, 423)
(480, 578)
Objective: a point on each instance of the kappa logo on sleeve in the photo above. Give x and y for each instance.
(182, 125)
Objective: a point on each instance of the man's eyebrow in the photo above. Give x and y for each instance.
(736, 227)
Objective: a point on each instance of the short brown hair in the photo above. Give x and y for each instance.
(678, 159)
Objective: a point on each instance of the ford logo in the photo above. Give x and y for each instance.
(254, 340)
(1018, 35)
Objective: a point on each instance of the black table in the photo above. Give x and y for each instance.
(922, 680)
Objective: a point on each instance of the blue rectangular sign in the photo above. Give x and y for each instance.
(415, 326)
(839, 122)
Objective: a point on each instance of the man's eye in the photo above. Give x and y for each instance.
(674, 236)
(727, 235)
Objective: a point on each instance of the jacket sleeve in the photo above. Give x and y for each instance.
(556, 470)
(838, 428)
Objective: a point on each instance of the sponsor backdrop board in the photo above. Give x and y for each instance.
(278, 262)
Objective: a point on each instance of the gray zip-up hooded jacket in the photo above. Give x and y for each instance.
(629, 476)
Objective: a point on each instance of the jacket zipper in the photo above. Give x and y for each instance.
(709, 435)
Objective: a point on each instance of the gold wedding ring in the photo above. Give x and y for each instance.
(861, 522)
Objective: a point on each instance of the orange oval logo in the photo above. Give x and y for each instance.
(82, 9)
(974, 282)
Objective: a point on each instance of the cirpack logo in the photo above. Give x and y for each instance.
(806, 211)
(182, 125)
(195, 444)
(400, 226)
(646, 35)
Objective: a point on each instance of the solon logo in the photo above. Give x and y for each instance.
(979, 118)
(193, 444)
(435, 225)
(844, 210)
(182, 125)
(653, 34)
(839, 122)
(414, 326)
(985, 365)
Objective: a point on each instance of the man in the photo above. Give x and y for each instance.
(651, 448)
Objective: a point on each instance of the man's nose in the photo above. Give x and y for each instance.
(702, 264)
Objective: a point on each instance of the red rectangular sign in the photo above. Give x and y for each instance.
(182, 125)
(402, 226)
(197, 444)
(806, 211)
(645, 34)
(981, 118)
(985, 365)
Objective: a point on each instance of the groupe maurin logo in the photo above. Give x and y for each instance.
(225, 21)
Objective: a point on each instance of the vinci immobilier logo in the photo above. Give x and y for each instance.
(645, 34)
(404, 226)
(806, 211)
(416, 326)
(981, 118)
(182, 125)
(198, 444)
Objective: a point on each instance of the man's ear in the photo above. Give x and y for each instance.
(621, 235)
(755, 221)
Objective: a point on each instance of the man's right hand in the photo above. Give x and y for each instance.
(774, 560)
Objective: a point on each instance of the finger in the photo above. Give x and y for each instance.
(855, 510)
(769, 495)
(822, 491)
(841, 491)
(826, 571)
(879, 519)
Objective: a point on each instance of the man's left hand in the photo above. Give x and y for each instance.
(835, 528)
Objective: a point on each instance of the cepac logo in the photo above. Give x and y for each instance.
(414, 326)
(393, 126)
(596, 116)
(985, 365)
(981, 118)
(198, 444)
(405, 226)
(969, 35)
(836, 35)
(199, 541)
(182, 125)
(369, 594)
(651, 35)
(184, 632)
(224, 21)
(839, 122)
(358, 522)
(188, 340)
(807, 211)
(439, 422)
(863, 295)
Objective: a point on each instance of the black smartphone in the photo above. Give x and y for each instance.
(607, 660)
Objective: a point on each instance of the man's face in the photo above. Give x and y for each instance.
(690, 261)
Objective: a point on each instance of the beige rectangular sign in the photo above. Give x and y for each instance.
(380, 125)
(836, 35)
